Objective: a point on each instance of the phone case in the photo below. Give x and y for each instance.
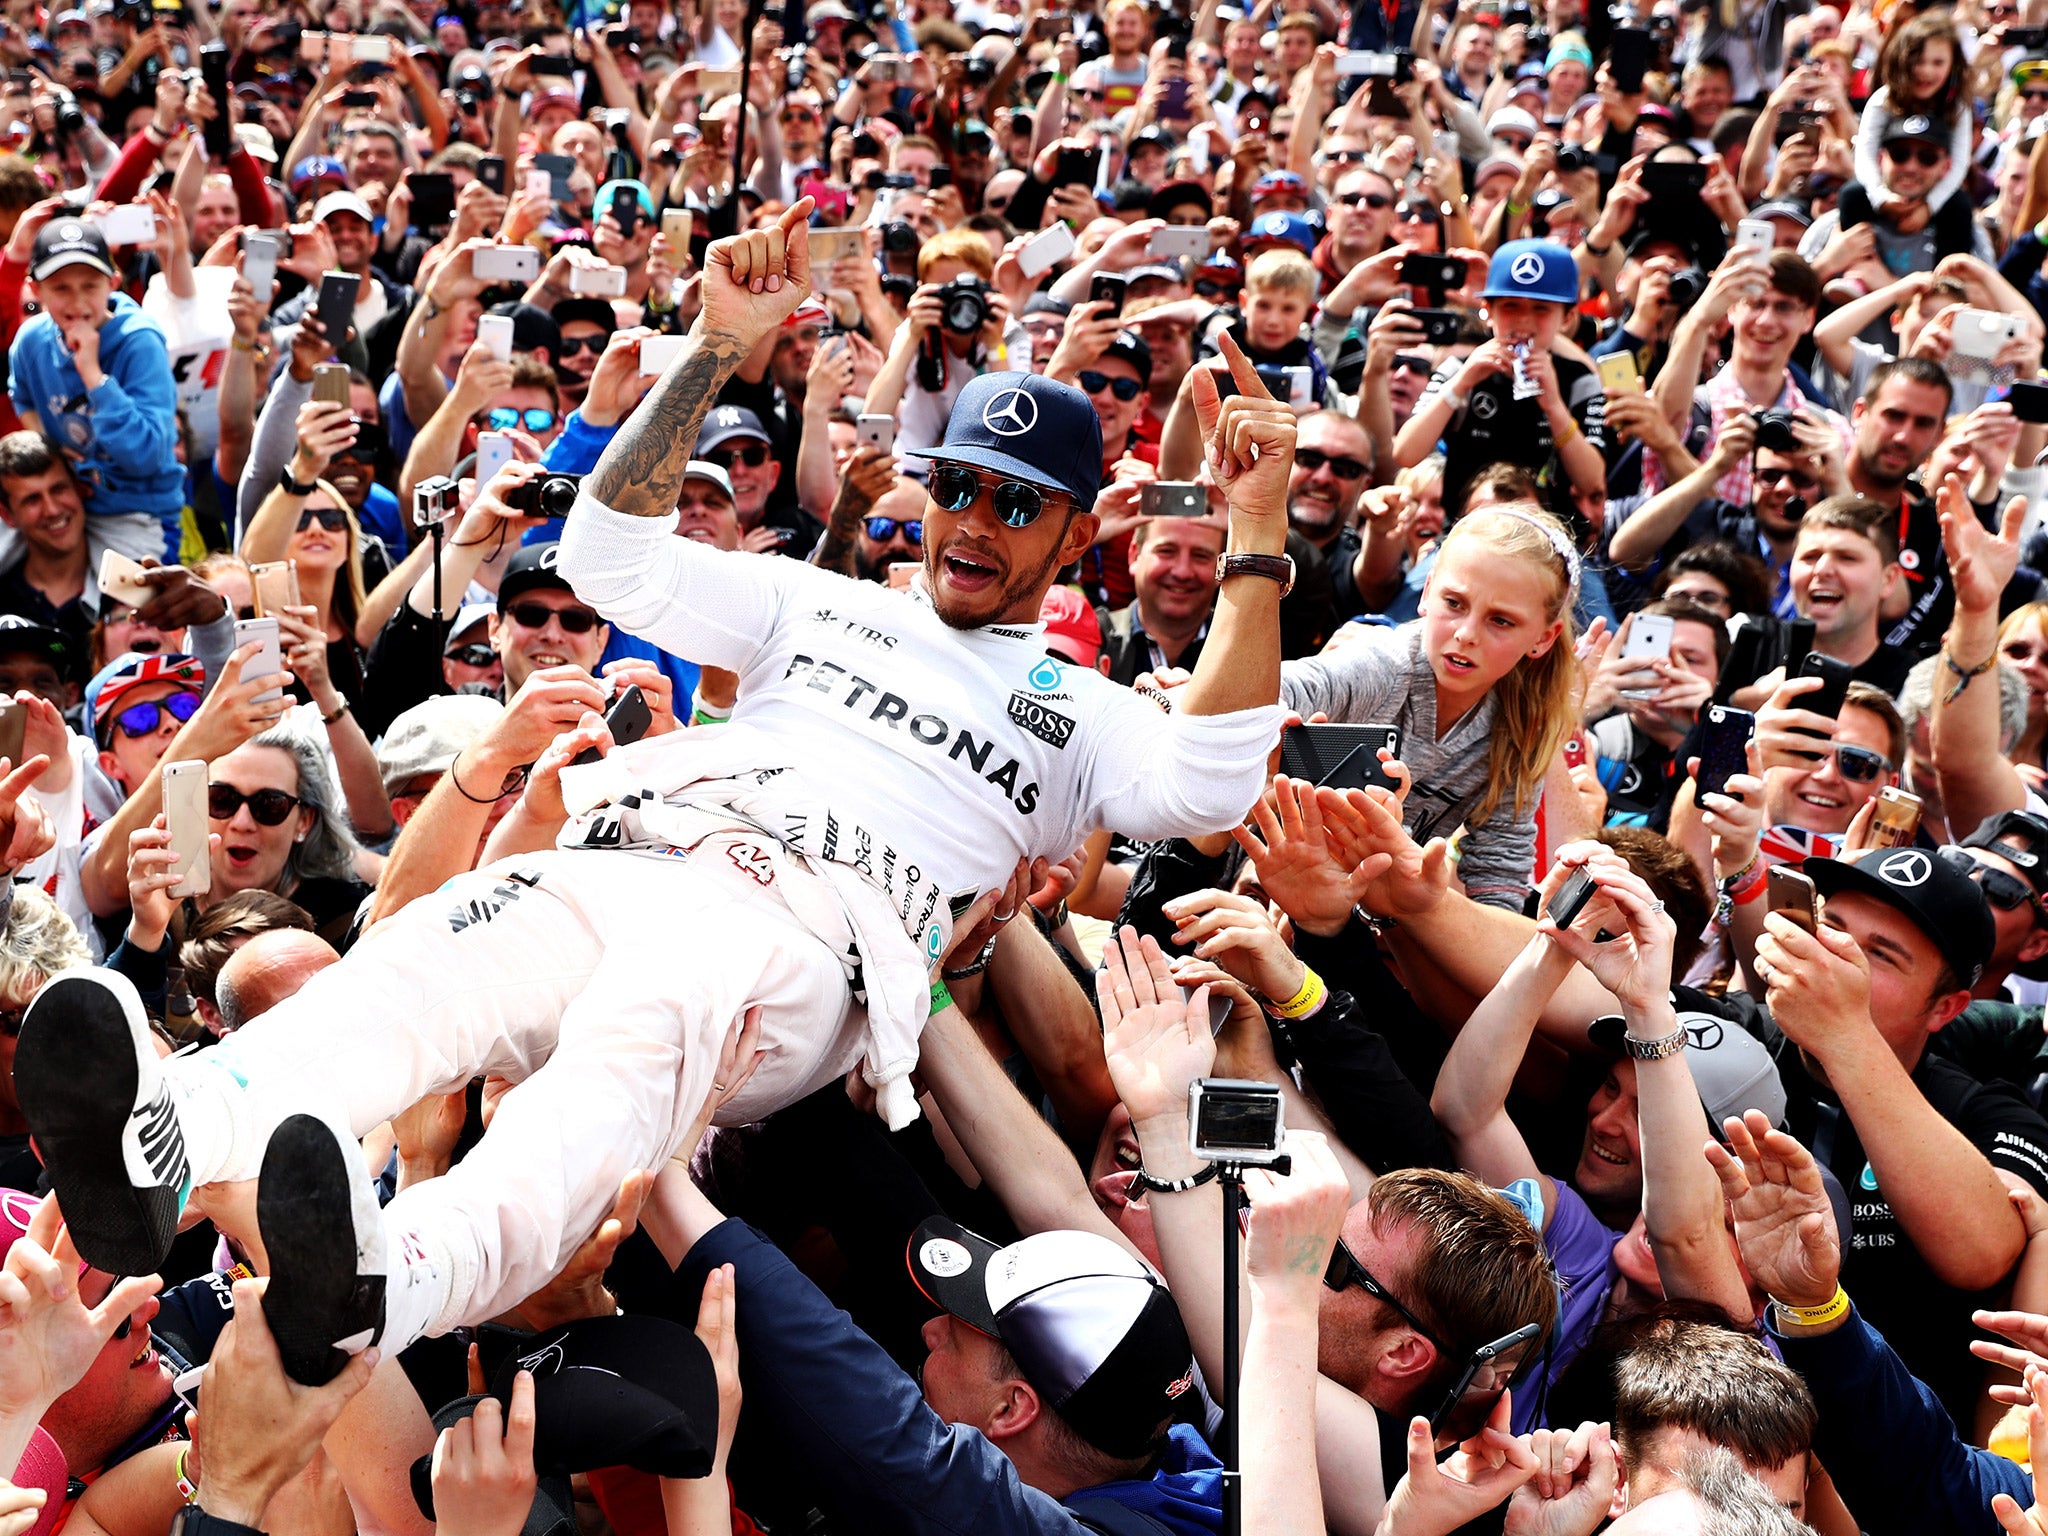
(1791, 893)
(1723, 748)
(13, 731)
(117, 579)
(496, 332)
(186, 818)
(1315, 752)
(269, 660)
(1570, 898)
(657, 352)
(277, 587)
(330, 383)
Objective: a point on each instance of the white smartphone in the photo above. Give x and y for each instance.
(1982, 332)
(877, 431)
(374, 47)
(495, 332)
(902, 573)
(128, 224)
(605, 282)
(1045, 249)
(494, 451)
(269, 658)
(259, 265)
(1175, 240)
(506, 263)
(1648, 639)
(277, 586)
(1756, 235)
(187, 820)
(121, 579)
(1359, 61)
(657, 352)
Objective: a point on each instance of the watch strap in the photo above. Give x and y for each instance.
(1278, 568)
(1657, 1049)
(1158, 1186)
(293, 487)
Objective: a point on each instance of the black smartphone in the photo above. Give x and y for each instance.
(2029, 38)
(559, 169)
(1571, 898)
(1076, 168)
(337, 304)
(1440, 327)
(1485, 1376)
(2029, 399)
(1321, 753)
(553, 64)
(433, 199)
(1109, 288)
(358, 101)
(1724, 748)
(1798, 640)
(1439, 274)
(1799, 120)
(1674, 178)
(626, 211)
(627, 720)
(213, 71)
(942, 176)
(1628, 58)
(1745, 661)
(491, 172)
(1835, 675)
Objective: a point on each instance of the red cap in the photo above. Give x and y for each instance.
(1071, 629)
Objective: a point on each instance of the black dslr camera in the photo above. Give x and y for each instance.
(1774, 432)
(963, 305)
(1572, 157)
(1687, 284)
(545, 496)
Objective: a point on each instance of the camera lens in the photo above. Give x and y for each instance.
(558, 495)
(1686, 287)
(898, 238)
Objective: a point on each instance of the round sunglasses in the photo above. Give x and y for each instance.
(883, 529)
(268, 806)
(955, 488)
(144, 719)
(1094, 383)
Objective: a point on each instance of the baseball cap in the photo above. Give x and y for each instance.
(1784, 208)
(531, 568)
(598, 312)
(827, 10)
(1568, 46)
(69, 243)
(1915, 127)
(636, 1390)
(1180, 194)
(533, 328)
(1072, 632)
(1026, 425)
(126, 673)
(727, 422)
(1046, 304)
(1943, 902)
(1282, 228)
(256, 139)
(1279, 181)
(1731, 1068)
(428, 737)
(43, 1466)
(469, 614)
(704, 469)
(1513, 120)
(2020, 838)
(1533, 269)
(554, 96)
(315, 168)
(553, 1511)
(1494, 164)
(1132, 348)
(18, 633)
(1092, 1330)
(71, 18)
(343, 201)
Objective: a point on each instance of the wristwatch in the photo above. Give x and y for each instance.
(194, 1521)
(1278, 568)
(292, 487)
(1655, 1050)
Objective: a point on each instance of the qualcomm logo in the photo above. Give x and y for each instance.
(1010, 414)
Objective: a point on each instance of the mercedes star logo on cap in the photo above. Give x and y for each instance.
(1909, 866)
(1017, 410)
(1527, 268)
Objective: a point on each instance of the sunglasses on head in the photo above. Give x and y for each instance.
(574, 621)
(1927, 156)
(955, 488)
(144, 719)
(1313, 459)
(268, 806)
(883, 529)
(1125, 390)
(333, 519)
(753, 455)
(475, 655)
(535, 418)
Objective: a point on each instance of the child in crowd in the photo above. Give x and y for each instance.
(1922, 74)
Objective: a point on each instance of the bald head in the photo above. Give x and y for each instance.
(266, 970)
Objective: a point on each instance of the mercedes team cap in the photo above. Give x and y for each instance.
(532, 567)
(429, 737)
(1731, 1068)
(1915, 127)
(1092, 1330)
(1943, 902)
(1533, 269)
(1026, 425)
(1282, 227)
(727, 422)
(70, 242)
(19, 633)
(1132, 348)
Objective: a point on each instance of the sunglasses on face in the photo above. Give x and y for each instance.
(571, 345)
(1125, 390)
(1313, 459)
(753, 455)
(1927, 156)
(145, 719)
(574, 621)
(333, 519)
(534, 418)
(1345, 1270)
(2004, 890)
(1364, 199)
(1860, 765)
(1417, 213)
(472, 655)
(883, 529)
(955, 488)
(2035, 93)
(1407, 362)
(1804, 482)
(1718, 602)
(1344, 157)
(268, 806)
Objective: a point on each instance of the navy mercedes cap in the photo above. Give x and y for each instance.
(1029, 426)
(1941, 899)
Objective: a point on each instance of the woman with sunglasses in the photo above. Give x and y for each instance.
(280, 829)
(307, 521)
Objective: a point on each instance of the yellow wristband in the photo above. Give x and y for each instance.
(1836, 1306)
(187, 1489)
(1304, 1002)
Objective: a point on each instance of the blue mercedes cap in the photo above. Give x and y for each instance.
(1290, 228)
(1533, 269)
(1027, 425)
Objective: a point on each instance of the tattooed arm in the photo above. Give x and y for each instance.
(869, 476)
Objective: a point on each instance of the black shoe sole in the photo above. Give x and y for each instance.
(304, 1209)
(75, 1077)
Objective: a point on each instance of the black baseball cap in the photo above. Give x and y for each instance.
(24, 634)
(1089, 1325)
(1132, 348)
(2018, 837)
(1180, 194)
(553, 1511)
(1943, 902)
(533, 329)
(1029, 426)
(631, 1390)
(69, 242)
(598, 312)
(533, 566)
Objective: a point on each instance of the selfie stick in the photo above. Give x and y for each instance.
(1231, 1177)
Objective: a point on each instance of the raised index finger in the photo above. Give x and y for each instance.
(1242, 372)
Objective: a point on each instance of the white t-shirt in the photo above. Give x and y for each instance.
(968, 749)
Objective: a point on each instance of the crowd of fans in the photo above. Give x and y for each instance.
(1667, 480)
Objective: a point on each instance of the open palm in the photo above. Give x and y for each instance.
(1156, 1044)
(1783, 1222)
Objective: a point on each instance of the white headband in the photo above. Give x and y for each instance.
(1559, 544)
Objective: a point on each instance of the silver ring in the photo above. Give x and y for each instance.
(1763, 969)
(718, 1087)
(1000, 919)
(1656, 906)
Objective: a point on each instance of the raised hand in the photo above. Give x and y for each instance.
(483, 1467)
(1980, 562)
(1784, 1226)
(1434, 1500)
(1576, 1474)
(49, 1338)
(1235, 932)
(1250, 437)
(1296, 866)
(755, 281)
(1156, 1044)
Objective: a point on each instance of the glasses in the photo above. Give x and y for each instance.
(1369, 199)
(1313, 459)
(1125, 390)
(2035, 93)
(1404, 362)
(571, 345)
(1803, 481)
(574, 621)
(883, 529)
(535, 418)
(1417, 213)
(955, 488)
(1704, 597)
(1345, 1270)
(754, 455)
(798, 115)
(1860, 765)
(1345, 157)
(2003, 890)
(268, 806)
(1927, 156)
(144, 719)
(474, 655)
(333, 519)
